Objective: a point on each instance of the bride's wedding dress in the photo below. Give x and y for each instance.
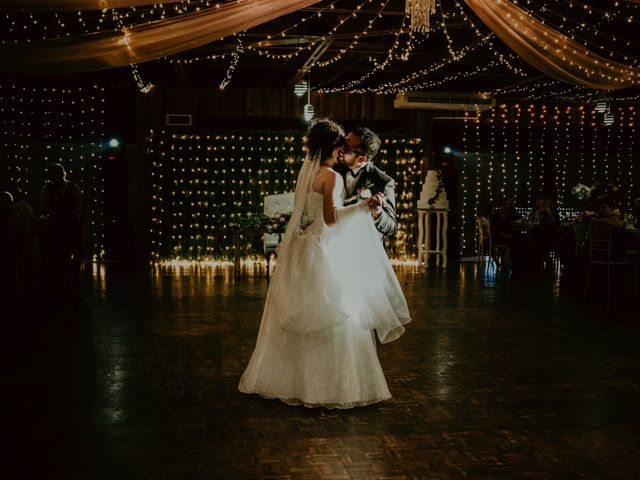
(332, 289)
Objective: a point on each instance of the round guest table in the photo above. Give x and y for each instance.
(426, 216)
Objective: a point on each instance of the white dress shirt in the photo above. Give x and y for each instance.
(352, 177)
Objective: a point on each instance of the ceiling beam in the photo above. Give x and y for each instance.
(312, 60)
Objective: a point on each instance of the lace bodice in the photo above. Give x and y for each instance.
(312, 214)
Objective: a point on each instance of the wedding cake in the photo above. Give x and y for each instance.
(430, 197)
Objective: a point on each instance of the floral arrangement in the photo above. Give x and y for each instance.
(362, 193)
(258, 223)
(581, 191)
(365, 193)
(439, 188)
(277, 223)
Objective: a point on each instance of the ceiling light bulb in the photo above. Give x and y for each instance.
(308, 112)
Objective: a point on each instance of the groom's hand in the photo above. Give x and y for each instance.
(377, 202)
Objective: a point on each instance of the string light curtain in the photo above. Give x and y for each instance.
(57, 125)
(521, 150)
(550, 51)
(141, 43)
(206, 185)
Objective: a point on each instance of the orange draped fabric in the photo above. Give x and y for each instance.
(141, 43)
(550, 51)
(76, 5)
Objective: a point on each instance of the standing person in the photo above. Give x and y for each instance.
(8, 247)
(26, 220)
(332, 288)
(635, 212)
(363, 179)
(61, 207)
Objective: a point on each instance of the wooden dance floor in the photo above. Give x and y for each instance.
(136, 377)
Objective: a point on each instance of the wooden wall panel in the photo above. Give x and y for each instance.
(280, 105)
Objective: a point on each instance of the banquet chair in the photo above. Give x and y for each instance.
(484, 237)
(499, 254)
(501, 257)
(600, 247)
(580, 237)
(551, 259)
(279, 203)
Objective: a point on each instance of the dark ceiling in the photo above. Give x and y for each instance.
(337, 63)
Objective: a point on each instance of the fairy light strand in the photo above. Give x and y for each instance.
(235, 58)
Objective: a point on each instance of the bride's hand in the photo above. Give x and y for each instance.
(372, 202)
(375, 205)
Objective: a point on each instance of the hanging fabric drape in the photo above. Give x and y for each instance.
(76, 5)
(550, 51)
(141, 43)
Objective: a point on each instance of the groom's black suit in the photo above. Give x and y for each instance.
(376, 181)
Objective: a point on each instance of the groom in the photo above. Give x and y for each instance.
(363, 179)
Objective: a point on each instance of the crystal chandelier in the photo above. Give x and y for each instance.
(420, 12)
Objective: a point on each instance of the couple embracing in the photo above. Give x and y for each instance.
(333, 290)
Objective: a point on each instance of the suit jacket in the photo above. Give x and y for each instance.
(376, 181)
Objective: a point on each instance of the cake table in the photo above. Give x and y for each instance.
(433, 206)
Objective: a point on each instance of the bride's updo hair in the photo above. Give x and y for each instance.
(323, 136)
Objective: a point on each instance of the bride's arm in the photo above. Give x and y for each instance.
(328, 207)
(331, 212)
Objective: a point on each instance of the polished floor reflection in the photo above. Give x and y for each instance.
(136, 375)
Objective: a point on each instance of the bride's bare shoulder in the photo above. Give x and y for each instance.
(323, 177)
(329, 172)
(326, 173)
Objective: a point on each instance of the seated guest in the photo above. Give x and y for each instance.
(635, 212)
(597, 191)
(553, 208)
(613, 192)
(606, 214)
(542, 234)
(501, 222)
(541, 213)
(604, 188)
(595, 204)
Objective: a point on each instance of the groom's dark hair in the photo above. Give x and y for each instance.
(369, 142)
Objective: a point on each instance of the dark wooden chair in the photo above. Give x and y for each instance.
(601, 252)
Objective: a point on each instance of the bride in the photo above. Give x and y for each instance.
(332, 288)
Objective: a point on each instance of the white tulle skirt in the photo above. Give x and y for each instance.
(330, 294)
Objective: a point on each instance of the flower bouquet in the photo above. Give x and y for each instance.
(581, 192)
